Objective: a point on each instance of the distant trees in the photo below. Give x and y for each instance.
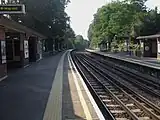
(70, 37)
(118, 19)
(80, 42)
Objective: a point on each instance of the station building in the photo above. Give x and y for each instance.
(150, 45)
(19, 46)
(103, 45)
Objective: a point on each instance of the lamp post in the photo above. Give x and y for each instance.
(127, 43)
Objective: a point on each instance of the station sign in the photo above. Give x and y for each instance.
(12, 9)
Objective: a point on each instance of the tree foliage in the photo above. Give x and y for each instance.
(80, 43)
(70, 37)
(129, 18)
(45, 16)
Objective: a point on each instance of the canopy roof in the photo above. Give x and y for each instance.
(148, 37)
(12, 25)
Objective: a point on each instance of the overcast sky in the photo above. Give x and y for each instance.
(81, 13)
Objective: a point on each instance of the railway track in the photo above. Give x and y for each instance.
(149, 86)
(120, 103)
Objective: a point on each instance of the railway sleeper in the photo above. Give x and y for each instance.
(116, 105)
(137, 111)
(101, 93)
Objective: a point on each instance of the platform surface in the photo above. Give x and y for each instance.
(145, 61)
(48, 90)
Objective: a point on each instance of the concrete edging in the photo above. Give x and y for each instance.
(130, 60)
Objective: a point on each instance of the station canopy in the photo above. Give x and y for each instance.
(149, 37)
(12, 25)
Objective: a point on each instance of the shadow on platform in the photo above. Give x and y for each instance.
(68, 107)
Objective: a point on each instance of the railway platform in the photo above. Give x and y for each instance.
(146, 65)
(51, 89)
(146, 61)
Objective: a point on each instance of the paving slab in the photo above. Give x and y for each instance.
(24, 94)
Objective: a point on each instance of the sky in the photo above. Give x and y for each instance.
(82, 11)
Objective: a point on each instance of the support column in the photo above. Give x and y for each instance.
(141, 48)
(3, 64)
(158, 48)
(39, 49)
(33, 55)
(24, 48)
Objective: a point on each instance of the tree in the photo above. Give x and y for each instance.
(80, 42)
(69, 32)
(70, 37)
(151, 23)
(129, 18)
(47, 17)
(112, 19)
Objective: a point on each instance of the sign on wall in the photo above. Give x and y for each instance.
(12, 9)
(26, 51)
(3, 51)
(146, 48)
(158, 47)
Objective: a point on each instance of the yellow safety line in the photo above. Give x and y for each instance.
(82, 100)
(53, 109)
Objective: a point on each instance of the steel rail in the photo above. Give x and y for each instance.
(102, 106)
(138, 104)
(133, 81)
(130, 113)
(142, 78)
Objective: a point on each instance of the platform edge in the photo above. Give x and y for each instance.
(95, 106)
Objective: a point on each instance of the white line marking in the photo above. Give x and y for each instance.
(82, 100)
(96, 108)
(38, 59)
(26, 66)
(1, 79)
